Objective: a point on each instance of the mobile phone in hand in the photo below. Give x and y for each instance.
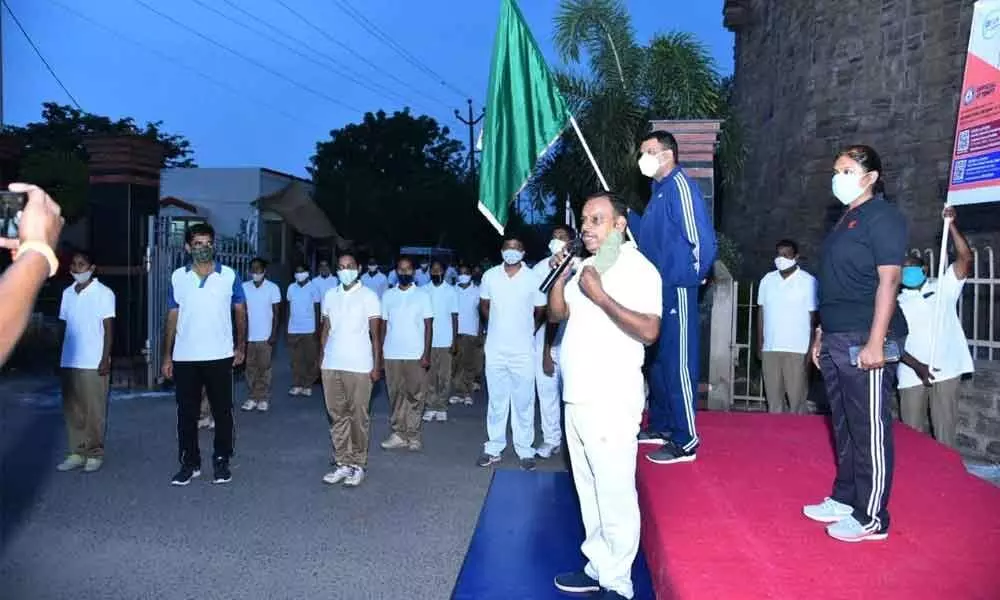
(11, 203)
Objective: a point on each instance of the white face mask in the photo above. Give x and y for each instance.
(301, 277)
(347, 276)
(649, 164)
(82, 277)
(783, 264)
(257, 277)
(847, 187)
(556, 246)
(511, 256)
(372, 268)
(464, 279)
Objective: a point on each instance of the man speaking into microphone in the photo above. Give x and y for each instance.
(612, 305)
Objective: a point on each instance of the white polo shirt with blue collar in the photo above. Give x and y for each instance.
(204, 312)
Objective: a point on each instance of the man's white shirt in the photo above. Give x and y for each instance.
(302, 301)
(349, 344)
(404, 312)
(204, 312)
(260, 308)
(601, 364)
(952, 356)
(444, 300)
(84, 313)
(511, 328)
(542, 270)
(377, 283)
(786, 304)
(468, 309)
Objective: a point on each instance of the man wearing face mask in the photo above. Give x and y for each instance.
(326, 280)
(263, 301)
(205, 298)
(612, 307)
(444, 301)
(468, 361)
(919, 386)
(547, 377)
(406, 346)
(303, 334)
(422, 276)
(88, 311)
(513, 309)
(351, 363)
(787, 301)
(374, 279)
(675, 233)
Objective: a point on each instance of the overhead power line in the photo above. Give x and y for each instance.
(353, 52)
(246, 58)
(386, 39)
(38, 52)
(338, 70)
(173, 61)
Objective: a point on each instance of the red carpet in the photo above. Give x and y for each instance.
(730, 527)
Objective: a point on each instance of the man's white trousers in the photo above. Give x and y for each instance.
(549, 400)
(510, 385)
(602, 448)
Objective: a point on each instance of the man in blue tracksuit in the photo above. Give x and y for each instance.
(675, 233)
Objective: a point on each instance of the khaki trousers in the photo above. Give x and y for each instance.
(407, 383)
(468, 362)
(304, 350)
(348, 396)
(258, 371)
(439, 379)
(943, 400)
(785, 373)
(85, 407)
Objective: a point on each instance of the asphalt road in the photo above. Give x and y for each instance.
(276, 531)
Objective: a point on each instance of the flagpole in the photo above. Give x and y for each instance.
(938, 308)
(593, 163)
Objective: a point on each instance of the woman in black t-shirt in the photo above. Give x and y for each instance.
(858, 281)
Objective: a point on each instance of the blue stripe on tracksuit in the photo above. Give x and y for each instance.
(675, 234)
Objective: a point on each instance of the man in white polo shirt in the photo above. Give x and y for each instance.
(406, 346)
(468, 360)
(351, 358)
(88, 311)
(199, 353)
(547, 376)
(325, 280)
(303, 331)
(787, 300)
(444, 301)
(263, 299)
(374, 279)
(937, 386)
(612, 305)
(514, 308)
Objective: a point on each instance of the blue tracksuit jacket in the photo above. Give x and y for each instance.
(675, 233)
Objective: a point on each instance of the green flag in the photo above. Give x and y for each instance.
(525, 115)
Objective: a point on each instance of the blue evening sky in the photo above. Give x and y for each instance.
(245, 115)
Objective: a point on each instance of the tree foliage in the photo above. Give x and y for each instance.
(615, 85)
(53, 154)
(392, 181)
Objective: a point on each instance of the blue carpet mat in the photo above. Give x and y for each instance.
(528, 532)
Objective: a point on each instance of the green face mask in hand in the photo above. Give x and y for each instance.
(607, 254)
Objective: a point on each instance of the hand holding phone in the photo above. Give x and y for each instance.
(34, 215)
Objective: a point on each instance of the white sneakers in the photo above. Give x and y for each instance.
(394, 442)
(435, 415)
(842, 524)
(262, 406)
(547, 450)
(249, 405)
(75, 461)
(300, 391)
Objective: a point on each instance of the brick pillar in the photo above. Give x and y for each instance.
(696, 143)
(124, 192)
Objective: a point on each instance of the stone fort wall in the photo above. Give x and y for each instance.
(812, 76)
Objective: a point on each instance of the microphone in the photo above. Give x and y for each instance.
(573, 247)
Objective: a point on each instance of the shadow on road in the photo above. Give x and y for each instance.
(30, 438)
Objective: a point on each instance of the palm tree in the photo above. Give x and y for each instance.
(615, 86)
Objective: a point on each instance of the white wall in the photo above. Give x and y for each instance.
(221, 195)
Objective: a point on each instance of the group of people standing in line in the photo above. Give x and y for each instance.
(623, 318)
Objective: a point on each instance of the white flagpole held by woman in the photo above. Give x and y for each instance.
(942, 266)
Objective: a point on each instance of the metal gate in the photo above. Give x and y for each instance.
(165, 254)
(745, 369)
